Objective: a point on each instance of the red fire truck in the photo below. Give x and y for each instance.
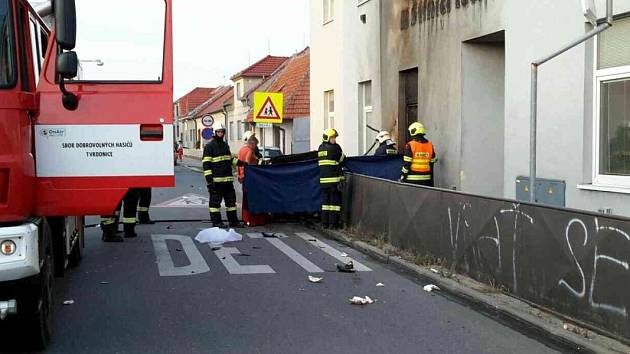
(85, 114)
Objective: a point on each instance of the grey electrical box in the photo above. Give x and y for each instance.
(548, 191)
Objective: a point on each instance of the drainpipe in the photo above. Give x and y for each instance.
(534, 95)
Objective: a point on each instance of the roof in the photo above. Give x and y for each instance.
(262, 68)
(192, 99)
(215, 103)
(293, 80)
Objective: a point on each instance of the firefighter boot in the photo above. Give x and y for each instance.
(109, 234)
(144, 218)
(130, 230)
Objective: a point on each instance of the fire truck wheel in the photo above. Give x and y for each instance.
(39, 325)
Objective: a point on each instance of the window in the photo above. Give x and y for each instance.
(231, 131)
(239, 90)
(612, 125)
(123, 41)
(329, 10)
(329, 109)
(39, 42)
(8, 76)
(366, 135)
(240, 131)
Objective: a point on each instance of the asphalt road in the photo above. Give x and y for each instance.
(165, 293)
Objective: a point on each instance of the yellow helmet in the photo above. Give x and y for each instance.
(329, 133)
(416, 128)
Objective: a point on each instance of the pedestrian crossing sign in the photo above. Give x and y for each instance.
(268, 107)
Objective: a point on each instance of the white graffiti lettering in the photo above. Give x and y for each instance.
(581, 293)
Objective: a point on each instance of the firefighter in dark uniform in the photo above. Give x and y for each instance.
(387, 145)
(419, 158)
(109, 224)
(330, 159)
(217, 167)
(144, 203)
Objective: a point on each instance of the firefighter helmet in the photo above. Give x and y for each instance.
(248, 134)
(416, 128)
(329, 133)
(218, 126)
(383, 136)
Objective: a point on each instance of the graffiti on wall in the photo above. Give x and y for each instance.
(420, 11)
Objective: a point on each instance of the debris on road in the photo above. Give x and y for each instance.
(575, 329)
(269, 235)
(344, 255)
(313, 279)
(429, 288)
(357, 300)
(104, 282)
(380, 285)
(68, 302)
(217, 236)
(256, 247)
(215, 249)
(346, 268)
(435, 270)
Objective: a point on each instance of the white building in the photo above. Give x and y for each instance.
(463, 68)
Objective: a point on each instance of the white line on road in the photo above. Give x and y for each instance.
(331, 251)
(295, 256)
(233, 267)
(255, 235)
(167, 268)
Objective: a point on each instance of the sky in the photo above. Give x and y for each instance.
(215, 39)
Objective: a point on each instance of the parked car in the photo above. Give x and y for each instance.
(270, 153)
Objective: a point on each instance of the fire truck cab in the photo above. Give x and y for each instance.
(85, 114)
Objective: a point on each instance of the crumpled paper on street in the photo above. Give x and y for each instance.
(357, 300)
(429, 288)
(217, 236)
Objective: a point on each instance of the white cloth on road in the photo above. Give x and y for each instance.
(217, 236)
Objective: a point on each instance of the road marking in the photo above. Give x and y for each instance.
(332, 251)
(167, 268)
(189, 200)
(295, 256)
(233, 267)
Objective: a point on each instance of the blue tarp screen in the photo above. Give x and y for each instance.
(294, 187)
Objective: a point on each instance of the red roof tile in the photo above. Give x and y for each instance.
(221, 99)
(262, 68)
(293, 80)
(192, 99)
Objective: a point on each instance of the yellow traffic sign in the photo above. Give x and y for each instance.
(268, 107)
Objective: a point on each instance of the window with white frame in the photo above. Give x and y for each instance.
(239, 90)
(365, 116)
(240, 131)
(329, 109)
(231, 133)
(329, 10)
(612, 123)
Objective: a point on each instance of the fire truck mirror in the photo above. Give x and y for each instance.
(65, 23)
(67, 65)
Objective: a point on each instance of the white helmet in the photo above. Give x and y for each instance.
(218, 126)
(383, 136)
(248, 134)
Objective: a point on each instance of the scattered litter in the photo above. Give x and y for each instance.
(575, 329)
(435, 271)
(104, 282)
(269, 235)
(222, 257)
(357, 300)
(380, 285)
(257, 248)
(98, 226)
(68, 302)
(312, 240)
(169, 227)
(313, 279)
(346, 268)
(429, 288)
(244, 255)
(344, 255)
(302, 289)
(217, 236)
(178, 249)
(215, 249)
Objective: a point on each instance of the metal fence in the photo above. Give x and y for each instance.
(573, 262)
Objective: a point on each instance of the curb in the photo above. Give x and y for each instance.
(482, 295)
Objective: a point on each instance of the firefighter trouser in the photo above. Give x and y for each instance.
(220, 191)
(331, 205)
(144, 202)
(129, 204)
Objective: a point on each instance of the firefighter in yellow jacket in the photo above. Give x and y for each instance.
(419, 158)
(330, 160)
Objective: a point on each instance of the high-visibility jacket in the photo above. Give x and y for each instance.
(218, 162)
(247, 155)
(418, 160)
(330, 159)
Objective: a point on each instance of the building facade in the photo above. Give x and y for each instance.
(463, 68)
